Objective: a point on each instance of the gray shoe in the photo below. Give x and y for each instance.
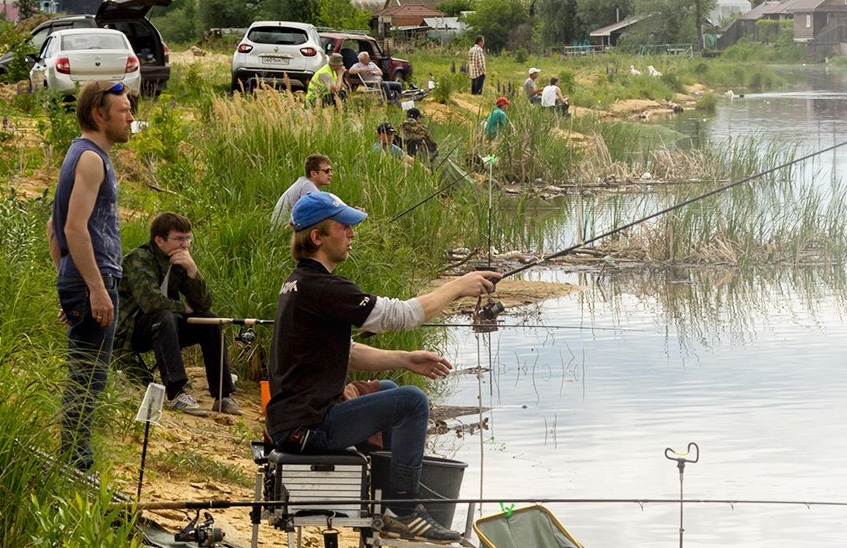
(186, 404)
(418, 525)
(227, 405)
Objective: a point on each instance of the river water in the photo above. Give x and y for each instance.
(749, 367)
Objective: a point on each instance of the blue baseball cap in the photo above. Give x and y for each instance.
(318, 206)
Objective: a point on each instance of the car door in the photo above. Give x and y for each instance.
(38, 73)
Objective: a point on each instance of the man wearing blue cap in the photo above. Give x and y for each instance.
(311, 354)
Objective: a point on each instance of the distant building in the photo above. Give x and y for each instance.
(8, 10)
(608, 36)
(444, 29)
(408, 18)
(725, 9)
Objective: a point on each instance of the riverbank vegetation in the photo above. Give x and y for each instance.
(223, 160)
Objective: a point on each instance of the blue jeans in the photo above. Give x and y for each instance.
(89, 354)
(401, 413)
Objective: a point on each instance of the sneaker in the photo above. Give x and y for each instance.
(418, 525)
(227, 405)
(186, 404)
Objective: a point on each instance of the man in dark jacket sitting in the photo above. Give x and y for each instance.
(160, 289)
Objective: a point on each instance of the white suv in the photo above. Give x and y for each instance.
(277, 53)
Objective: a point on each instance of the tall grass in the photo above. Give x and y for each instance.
(40, 503)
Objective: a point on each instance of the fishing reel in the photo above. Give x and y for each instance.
(485, 315)
(204, 534)
(246, 336)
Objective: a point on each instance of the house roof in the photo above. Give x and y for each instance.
(763, 9)
(803, 5)
(622, 24)
(410, 10)
(442, 23)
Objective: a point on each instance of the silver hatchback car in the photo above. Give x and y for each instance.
(70, 57)
(277, 53)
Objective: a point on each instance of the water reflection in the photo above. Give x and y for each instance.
(749, 367)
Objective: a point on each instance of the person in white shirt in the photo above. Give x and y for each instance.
(370, 73)
(318, 174)
(552, 97)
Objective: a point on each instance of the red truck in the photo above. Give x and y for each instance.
(350, 44)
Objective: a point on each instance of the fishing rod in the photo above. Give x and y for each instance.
(446, 187)
(690, 201)
(224, 504)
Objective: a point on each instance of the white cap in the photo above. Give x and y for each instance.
(533, 70)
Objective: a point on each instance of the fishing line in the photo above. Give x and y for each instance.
(213, 504)
(539, 326)
(690, 201)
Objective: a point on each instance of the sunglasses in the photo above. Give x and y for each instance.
(117, 89)
(327, 170)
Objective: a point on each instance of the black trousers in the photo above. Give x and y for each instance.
(476, 85)
(167, 333)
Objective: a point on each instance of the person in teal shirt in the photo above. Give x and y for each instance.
(385, 144)
(497, 120)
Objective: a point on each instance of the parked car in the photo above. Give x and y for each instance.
(278, 53)
(70, 57)
(127, 16)
(350, 44)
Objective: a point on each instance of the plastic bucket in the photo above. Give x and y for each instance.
(440, 479)
(265, 388)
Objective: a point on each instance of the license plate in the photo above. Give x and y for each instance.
(272, 60)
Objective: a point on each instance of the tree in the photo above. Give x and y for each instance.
(340, 14)
(495, 19)
(179, 23)
(560, 24)
(454, 8)
(306, 11)
(226, 13)
(670, 21)
(26, 8)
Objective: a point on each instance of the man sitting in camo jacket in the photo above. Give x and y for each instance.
(416, 137)
(160, 289)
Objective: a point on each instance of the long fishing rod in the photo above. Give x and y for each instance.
(213, 504)
(690, 201)
(463, 176)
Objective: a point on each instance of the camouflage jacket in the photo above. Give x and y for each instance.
(412, 130)
(144, 270)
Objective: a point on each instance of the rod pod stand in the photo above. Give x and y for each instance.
(681, 459)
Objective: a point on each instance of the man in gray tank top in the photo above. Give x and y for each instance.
(85, 246)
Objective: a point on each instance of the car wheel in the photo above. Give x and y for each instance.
(400, 78)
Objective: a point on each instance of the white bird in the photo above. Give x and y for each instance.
(729, 94)
(653, 72)
(634, 71)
